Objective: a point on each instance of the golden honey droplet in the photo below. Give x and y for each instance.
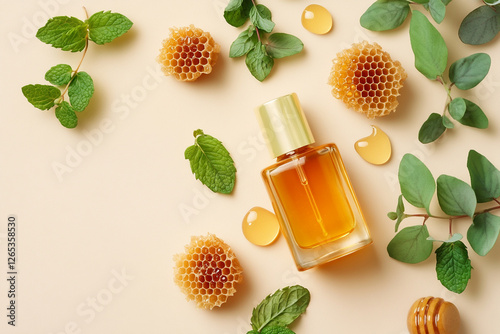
(376, 148)
(317, 19)
(260, 226)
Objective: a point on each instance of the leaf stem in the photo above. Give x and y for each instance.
(257, 29)
(427, 216)
(450, 227)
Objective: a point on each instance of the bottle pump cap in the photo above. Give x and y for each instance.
(284, 125)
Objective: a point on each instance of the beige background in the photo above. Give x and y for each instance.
(96, 241)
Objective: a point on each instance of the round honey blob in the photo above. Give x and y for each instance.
(367, 80)
(207, 271)
(188, 53)
(317, 19)
(431, 315)
(260, 226)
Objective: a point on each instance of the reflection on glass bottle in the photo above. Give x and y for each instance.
(309, 188)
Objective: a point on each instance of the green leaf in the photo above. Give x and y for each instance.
(41, 96)
(253, 332)
(106, 26)
(455, 197)
(260, 16)
(259, 62)
(237, 12)
(400, 212)
(453, 238)
(453, 266)
(281, 308)
(448, 123)
(392, 215)
(80, 91)
(429, 48)
(432, 129)
(276, 330)
(480, 26)
(385, 15)
(211, 163)
(283, 45)
(66, 115)
(63, 32)
(437, 9)
(457, 108)
(245, 42)
(468, 72)
(484, 177)
(483, 233)
(59, 75)
(416, 182)
(410, 245)
(474, 116)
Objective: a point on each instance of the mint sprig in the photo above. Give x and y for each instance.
(211, 163)
(260, 50)
(72, 34)
(458, 200)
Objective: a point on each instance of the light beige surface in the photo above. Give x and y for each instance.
(96, 242)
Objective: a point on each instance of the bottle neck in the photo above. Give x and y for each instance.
(294, 152)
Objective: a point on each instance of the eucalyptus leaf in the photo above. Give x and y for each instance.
(484, 177)
(474, 116)
(437, 9)
(483, 233)
(385, 15)
(453, 238)
(400, 212)
(448, 123)
(432, 129)
(480, 26)
(456, 198)
(468, 72)
(410, 245)
(453, 266)
(416, 182)
(457, 108)
(429, 47)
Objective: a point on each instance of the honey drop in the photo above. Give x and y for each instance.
(260, 226)
(317, 19)
(376, 148)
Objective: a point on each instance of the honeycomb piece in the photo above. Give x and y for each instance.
(207, 272)
(188, 53)
(366, 79)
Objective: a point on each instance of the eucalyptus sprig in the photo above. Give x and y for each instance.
(72, 34)
(482, 24)
(458, 200)
(260, 51)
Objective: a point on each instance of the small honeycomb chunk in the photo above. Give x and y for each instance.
(366, 79)
(188, 53)
(207, 272)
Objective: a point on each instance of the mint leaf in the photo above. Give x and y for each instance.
(468, 72)
(283, 45)
(245, 42)
(483, 233)
(66, 115)
(437, 9)
(259, 62)
(237, 12)
(416, 182)
(457, 108)
(281, 308)
(276, 330)
(432, 129)
(80, 91)
(59, 75)
(480, 26)
(429, 48)
(455, 197)
(41, 96)
(385, 15)
(453, 266)
(63, 32)
(474, 116)
(260, 16)
(447, 123)
(106, 26)
(484, 177)
(211, 163)
(410, 245)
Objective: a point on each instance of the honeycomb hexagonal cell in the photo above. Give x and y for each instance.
(188, 53)
(366, 79)
(207, 271)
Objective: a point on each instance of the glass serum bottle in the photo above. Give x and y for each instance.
(309, 188)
